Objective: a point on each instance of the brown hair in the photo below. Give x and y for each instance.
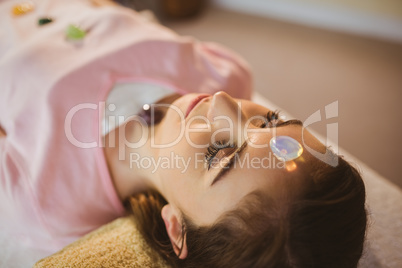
(323, 227)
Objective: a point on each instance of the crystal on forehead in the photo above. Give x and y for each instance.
(285, 148)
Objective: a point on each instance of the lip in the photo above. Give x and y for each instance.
(196, 101)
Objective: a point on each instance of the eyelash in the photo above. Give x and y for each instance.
(272, 118)
(214, 149)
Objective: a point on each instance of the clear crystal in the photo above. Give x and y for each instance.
(285, 148)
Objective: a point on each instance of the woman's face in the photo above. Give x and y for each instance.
(214, 150)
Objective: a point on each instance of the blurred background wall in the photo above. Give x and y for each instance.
(379, 18)
(386, 8)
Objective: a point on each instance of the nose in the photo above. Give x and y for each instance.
(223, 105)
(225, 112)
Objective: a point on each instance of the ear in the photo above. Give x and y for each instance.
(171, 217)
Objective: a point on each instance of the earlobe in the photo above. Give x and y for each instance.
(172, 219)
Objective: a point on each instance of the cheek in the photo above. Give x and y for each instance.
(170, 129)
(184, 165)
(174, 131)
(183, 189)
(188, 143)
(184, 175)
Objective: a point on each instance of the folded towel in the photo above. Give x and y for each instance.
(117, 244)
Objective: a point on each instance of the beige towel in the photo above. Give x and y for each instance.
(117, 244)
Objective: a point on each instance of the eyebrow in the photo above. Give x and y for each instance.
(228, 166)
(291, 122)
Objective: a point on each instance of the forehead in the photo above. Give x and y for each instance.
(308, 141)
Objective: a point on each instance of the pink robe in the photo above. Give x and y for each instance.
(52, 191)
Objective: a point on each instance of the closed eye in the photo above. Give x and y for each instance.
(272, 121)
(218, 151)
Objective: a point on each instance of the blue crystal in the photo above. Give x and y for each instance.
(285, 148)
